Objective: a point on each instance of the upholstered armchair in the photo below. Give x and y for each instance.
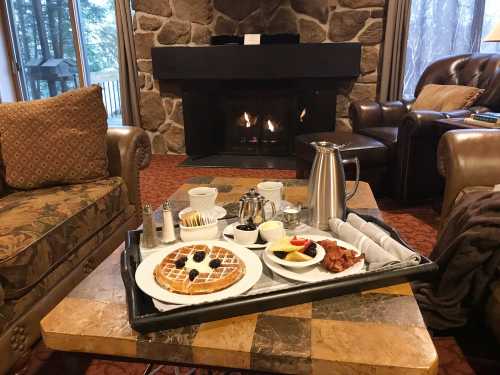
(413, 135)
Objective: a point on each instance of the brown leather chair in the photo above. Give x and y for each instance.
(412, 136)
(469, 160)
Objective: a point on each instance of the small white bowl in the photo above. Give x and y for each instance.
(202, 232)
(272, 234)
(245, 237)
(320, 254)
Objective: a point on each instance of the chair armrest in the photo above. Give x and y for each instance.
(129, 150)
(367, 114)
(468, 157)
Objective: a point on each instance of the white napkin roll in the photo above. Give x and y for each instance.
(374, 254)
(382, 238)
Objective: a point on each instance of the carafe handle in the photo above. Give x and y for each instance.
(354, 160)
(273, 208)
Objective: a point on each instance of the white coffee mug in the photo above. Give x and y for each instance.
(272, 190)
(202, 198)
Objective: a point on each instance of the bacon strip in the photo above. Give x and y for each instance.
(338, 258)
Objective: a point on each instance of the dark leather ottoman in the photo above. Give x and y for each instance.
(373, 157)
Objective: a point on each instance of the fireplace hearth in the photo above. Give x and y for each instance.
(253, 100)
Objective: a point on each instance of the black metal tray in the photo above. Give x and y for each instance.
(144, 317)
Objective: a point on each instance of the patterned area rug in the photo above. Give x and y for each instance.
(417, 226)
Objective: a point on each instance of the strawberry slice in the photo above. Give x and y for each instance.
(298, 241)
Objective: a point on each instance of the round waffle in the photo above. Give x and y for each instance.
(208, 280)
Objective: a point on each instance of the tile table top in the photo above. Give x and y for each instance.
(380, 331)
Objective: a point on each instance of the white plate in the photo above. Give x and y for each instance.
(145, 279)
(230, 230)
(320, 254)
(317, 272)
(218, 212)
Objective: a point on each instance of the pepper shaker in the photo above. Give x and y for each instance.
(168, 232)
(148, 228)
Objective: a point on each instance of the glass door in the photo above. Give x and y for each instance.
(97, 23)
(43, 42)
(63, 44)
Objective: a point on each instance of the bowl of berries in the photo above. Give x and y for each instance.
(295, 252)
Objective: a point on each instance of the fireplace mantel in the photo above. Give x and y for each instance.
(258, 62)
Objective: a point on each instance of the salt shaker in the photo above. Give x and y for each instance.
(148, 228)
(168, 232)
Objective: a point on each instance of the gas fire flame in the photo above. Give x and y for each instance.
(270, 126)
(247, 120)
(302, 115)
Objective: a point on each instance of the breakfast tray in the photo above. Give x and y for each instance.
(144, 317)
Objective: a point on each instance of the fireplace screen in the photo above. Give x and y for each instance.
(259, 124)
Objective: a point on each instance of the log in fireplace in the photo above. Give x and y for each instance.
(253, 100)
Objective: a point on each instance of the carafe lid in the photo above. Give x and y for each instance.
(326, 146)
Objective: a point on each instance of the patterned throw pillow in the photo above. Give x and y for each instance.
(59, 140)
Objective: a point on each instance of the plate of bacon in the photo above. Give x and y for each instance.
(341, 259)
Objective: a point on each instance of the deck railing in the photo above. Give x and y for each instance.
(111, 97)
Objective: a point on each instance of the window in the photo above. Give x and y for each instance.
(60, 45)
(440, 28)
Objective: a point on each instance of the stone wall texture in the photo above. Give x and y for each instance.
(192, 22)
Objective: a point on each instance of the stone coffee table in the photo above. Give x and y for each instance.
(379, 331)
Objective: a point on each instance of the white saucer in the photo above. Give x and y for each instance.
(146, 282)
(218, 212)
(230, 230)
(317, 272)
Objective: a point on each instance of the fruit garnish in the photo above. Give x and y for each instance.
(297, 256)
(214, 263)
(310, 250)
(298, 241)
(199, 256)
(280, 254)
(193, 274)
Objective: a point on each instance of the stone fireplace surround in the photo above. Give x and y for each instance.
(283, 90)
(192, 22)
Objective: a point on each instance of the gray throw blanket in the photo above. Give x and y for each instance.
(468, 255)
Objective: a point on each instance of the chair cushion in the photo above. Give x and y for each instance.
(54, 141)
(369, 151)
(388, 135)
(39, 229)
(445, 98)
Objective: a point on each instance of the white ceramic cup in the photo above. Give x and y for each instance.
(202, 198)
(272, 190)
(272, 230)
(245, 237)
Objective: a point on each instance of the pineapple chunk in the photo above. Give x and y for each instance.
(296, 256)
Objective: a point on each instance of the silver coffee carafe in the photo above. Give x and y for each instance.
(327, 190)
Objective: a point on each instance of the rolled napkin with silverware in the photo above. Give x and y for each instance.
(375, 255)
(382, 238)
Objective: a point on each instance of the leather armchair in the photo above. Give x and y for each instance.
(412, 135)
(468, 159)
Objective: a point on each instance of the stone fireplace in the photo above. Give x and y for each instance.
(254, 99)
(191, 23)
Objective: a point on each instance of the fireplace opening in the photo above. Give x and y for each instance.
(259, 123)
